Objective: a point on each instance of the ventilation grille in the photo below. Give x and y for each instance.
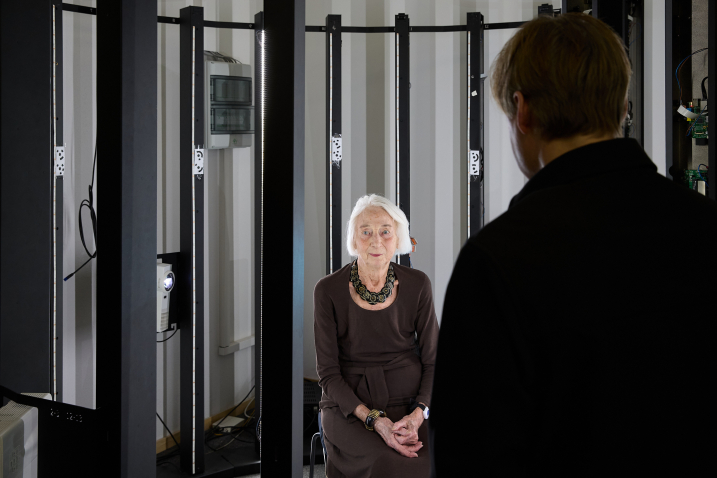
(312, 393)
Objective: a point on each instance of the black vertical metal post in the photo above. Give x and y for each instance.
(669, 86)
(614, 14)
(678, 24)
(58, 230)
(712, 93)
(638, 64)
(191, 239)
(333, 128)
(127, 233)
(258, 204)
(403, 123)
(476, 170)
(26, 172)
(282, 341)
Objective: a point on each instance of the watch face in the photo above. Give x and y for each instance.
(426, 413)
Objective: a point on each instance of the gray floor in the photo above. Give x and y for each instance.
(318, 472)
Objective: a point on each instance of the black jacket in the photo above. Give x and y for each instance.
(577, 332)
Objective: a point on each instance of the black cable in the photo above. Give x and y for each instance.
(167, 428)
(704, 90)
(679, 67)
(310, 423)
(88, 203)
(163, 460)
(164, 340)
(234, 434)
(230, 411)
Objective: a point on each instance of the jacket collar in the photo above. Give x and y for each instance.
(594, 159)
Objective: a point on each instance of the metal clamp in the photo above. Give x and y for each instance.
(59, 160)
(474, 163)
(199, 162)
(336, 150)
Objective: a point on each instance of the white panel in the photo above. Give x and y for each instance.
(447, 150)
(315, 172)
(79, 119)
(655, 120)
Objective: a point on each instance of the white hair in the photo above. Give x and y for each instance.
(402, 233)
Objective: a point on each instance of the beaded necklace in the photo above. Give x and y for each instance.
(373, 298)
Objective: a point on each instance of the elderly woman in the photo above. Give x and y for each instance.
(375, 331)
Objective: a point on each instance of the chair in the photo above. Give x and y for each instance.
(312, 457)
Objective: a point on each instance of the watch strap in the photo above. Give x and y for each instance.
(415, 405)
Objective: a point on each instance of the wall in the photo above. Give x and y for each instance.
(438, 166)
(655, 120)
(438, 129)
(79, 118)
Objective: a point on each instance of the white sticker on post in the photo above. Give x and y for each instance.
(474, 163)
(59, 160)
(336, 150)
(199, 161)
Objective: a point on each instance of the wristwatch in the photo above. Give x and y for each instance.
(425, 409)
(371, 418)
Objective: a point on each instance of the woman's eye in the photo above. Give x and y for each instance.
(386, 232)
(365, 233)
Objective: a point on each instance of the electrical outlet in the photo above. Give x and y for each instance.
(474, 163)
(199, 161)
(336, 149)
(59, 160)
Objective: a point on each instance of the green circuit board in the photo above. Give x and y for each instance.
(700, 128)
(690, 176)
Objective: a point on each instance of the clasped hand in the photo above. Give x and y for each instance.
(402, 436)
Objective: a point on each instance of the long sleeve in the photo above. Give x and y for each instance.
(427, 331)
(480, 387)
(327, 353)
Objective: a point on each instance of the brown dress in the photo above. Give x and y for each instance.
(381, 358)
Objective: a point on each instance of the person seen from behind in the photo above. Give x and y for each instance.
(576, 336)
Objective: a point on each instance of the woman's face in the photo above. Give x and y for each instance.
(376, 240)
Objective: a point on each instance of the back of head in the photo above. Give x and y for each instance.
(573, 72)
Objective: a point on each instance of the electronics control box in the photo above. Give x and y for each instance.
(228, 103)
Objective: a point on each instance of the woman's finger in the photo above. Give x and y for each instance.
(401, 431)
(400, 448)
(405, 451)
(406, 437)
(412, 438)
(399, 424)
(406, 440)
(415, 447)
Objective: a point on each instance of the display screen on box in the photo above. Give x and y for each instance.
(232, 120)
(230, 89)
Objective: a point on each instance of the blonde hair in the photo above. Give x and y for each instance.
(573, 72)
(402, 232)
